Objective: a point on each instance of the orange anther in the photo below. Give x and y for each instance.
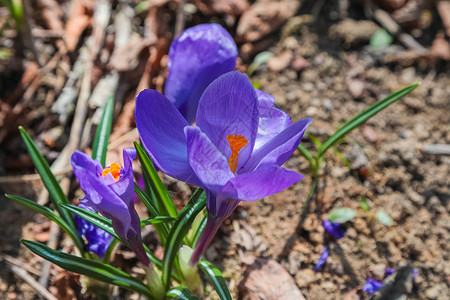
(236, 144)
(114, 169)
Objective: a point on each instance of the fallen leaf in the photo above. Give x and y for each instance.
(79, 18)
(229, 7)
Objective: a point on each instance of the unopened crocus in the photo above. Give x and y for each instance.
(322, 259)
(234, 153)
(97, 239)
(198, 56)
(110, 191)
(334, 229)
(371, 286)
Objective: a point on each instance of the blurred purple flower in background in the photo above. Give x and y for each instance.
(322, 259)
(371, 286)
(110, 191)
(388, 272)
(236, 151)
(336, 230)
(97, 239)
(198, 56)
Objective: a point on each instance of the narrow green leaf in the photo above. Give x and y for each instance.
(181, 293)
(215, 278)
(341, 215)
(163, 200)
(181, 227)
(50, 214)
(162, 229)
(363, 117)
(100, 145)
(384, 218)
(90, 268)
(93, 218)
(307, 154)
(197, 229)
(57, 195)
(156, 220)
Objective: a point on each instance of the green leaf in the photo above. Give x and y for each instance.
(162, 229)
(363, 117)
(57, 195)
(181, 227)
(100, 145)
(198, 229)
(181, 293)
(215, 278)
(364, 204)
(307, 154)
(164, 202)
(380, 39)
(260, 58)
(50, 214)
(384, 218)
(156, 220)
(341, 215)
(93, 218)
(90, 268)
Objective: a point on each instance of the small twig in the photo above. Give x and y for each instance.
(179, 25)
(19, 263)
(436, 149)
(32, 282)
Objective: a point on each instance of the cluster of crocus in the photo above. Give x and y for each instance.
(234, 153)
(97, 239)
(335, 230)
(110, 191)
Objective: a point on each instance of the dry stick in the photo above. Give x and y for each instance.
(19, 263)
(390, 25)
(179, 24)
(42, 291)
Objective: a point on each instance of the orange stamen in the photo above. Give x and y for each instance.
(114, 169)
(236, 144)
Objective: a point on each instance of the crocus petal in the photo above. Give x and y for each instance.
(388, 272)
(334, 229)
(260, 183)
(198, 56)
(280, 148)
(161, 128)
(208, 163)
(229, 106)
(124, 187)
(371, 286)
(272, 120)
(322, 259)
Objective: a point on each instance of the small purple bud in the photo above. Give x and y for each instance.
(388, 272)
(371, 286)
(322, 259)
(336, 230)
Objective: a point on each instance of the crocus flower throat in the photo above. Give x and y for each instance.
(237, 142)
(114, 169)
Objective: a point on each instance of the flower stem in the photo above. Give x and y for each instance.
(212, 225)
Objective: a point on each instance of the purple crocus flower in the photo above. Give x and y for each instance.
(371, 286)
(198, 56)
(110, 191)
(322, 259)
(97, 239)
(336, 230)
(388, 272)
(234, 153)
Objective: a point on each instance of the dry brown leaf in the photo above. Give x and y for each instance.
(264, 17)
(229, 7)
(441, 47)
(80, 17)
(267, 279)
(444, 11)
(280, 62)
(126, 58)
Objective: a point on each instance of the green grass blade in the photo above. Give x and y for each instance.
(162, 229)
(50, 214)
(156, 220)
(100, 145)
(363, 117)
(90, 268)
(179, 230)
(163, 200)
(57, 195)
(93, 218)
(198, 230)
(305, 152)
(215, 278)
(181, 293)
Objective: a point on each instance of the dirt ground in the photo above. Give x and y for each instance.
(323, 69)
